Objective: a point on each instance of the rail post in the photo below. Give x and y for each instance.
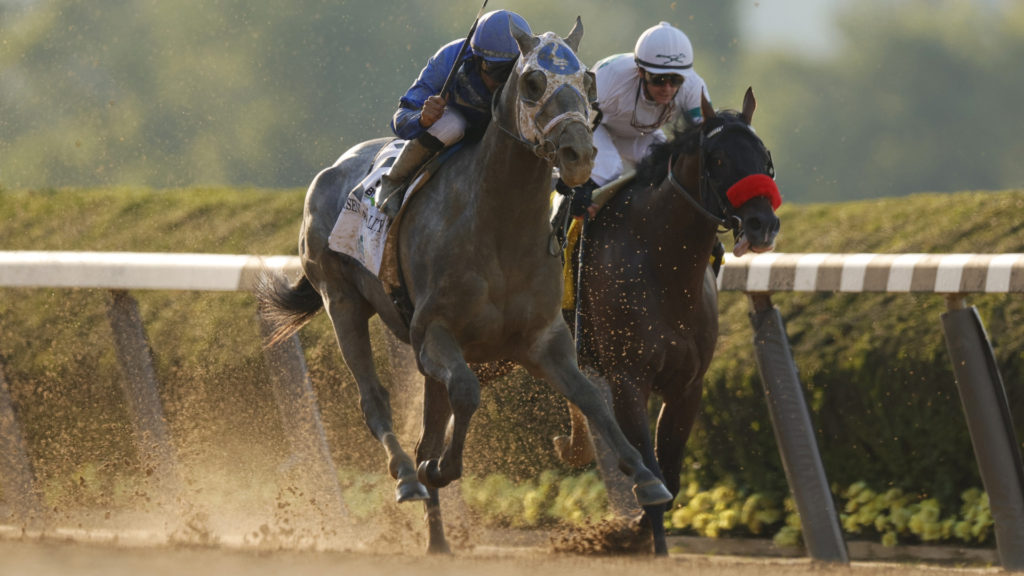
(300, 417)
(16, 475)
(794, 434)
(990, 424)
(142, 396)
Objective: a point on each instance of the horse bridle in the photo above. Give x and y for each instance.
(531, 132)
(725, 218)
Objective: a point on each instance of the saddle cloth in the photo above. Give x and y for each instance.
(361, 230)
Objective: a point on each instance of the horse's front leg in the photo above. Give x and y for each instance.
(556, 363)
(351, 328)
(436, 418)
(631, 414)
(441, 358)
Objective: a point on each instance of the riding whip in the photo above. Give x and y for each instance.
(577, 328)
(462, 51)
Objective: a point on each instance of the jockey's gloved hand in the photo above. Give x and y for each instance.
(563, 188)
(582, 198)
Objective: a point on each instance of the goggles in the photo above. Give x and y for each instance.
(673, 80)
(497, 71)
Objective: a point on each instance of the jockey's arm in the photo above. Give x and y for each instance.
(406, 122)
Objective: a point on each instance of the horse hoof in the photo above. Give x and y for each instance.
(651, 493)
(429, 473)
(410, 489)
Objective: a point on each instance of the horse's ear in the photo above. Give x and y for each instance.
(527, 42)
(705, 107)
(748, 105)
(575, 35)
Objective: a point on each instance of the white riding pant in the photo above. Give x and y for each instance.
(615, 155)
(450, 128)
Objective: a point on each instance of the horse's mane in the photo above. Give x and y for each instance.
(684, 141)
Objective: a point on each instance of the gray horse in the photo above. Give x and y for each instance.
(473, 255)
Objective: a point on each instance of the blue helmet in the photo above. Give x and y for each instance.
(493, 39)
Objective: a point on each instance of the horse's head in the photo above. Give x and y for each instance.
(549, 100)
(737, 177)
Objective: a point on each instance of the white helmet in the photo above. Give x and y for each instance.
(664, 49)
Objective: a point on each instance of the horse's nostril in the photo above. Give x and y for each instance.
(569, 154)
(753, 224)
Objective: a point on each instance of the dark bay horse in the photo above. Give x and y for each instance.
(473, 256)
(648, 299)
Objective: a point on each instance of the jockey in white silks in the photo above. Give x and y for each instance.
(637, 94)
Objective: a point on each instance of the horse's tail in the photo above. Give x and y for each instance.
(284, 307)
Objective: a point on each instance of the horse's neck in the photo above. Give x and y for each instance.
(514, 180)
(681, 230)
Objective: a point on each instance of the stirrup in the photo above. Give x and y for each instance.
(560, 227)
(392, 203)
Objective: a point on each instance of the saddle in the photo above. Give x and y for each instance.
(362, 230)
(364, 233)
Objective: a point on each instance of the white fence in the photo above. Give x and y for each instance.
(977, 376)
(935, 273)
(137, 270)
(952, 275)
(120, 272)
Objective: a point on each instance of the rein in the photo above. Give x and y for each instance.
(678, 187)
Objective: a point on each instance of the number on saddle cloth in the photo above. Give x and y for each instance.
(361, 230)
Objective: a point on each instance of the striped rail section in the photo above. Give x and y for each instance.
(933, 273)
(977, 376)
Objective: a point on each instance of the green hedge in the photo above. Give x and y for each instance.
(890, 517)
(875, 370)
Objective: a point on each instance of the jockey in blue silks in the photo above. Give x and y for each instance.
(429, 122)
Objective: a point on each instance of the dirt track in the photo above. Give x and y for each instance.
(53, 558)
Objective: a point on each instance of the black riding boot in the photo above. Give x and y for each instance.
(717, 257)
(393, 184)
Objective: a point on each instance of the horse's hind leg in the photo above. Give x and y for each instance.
(556, 363)
(350, 317)
(675, 422)
(576, 449)
(436, 416)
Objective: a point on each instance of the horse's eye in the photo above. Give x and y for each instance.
(590, 83)
(532, 86)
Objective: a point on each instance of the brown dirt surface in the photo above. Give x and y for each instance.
(51, 557)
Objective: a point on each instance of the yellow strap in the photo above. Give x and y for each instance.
(570, 266)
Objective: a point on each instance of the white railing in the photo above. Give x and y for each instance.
(137, 270)
(977, 376)
(936, 273)
(952, 275)
(120, 272)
